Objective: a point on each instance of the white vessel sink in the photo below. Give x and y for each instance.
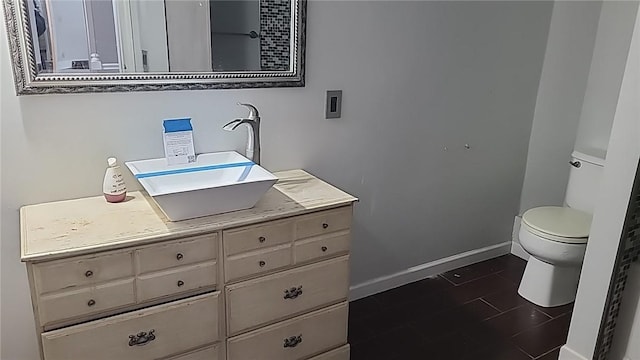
(216, 183)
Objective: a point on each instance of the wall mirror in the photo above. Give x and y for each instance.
(67, 46)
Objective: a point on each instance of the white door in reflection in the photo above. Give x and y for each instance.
(235, 35)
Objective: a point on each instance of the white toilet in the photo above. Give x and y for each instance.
(556, 237)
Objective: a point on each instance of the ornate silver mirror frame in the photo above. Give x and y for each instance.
(28, 81)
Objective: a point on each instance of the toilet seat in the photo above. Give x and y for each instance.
(556, 223)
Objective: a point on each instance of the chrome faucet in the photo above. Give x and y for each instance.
(253, 126)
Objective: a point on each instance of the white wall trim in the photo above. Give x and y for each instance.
(567, 354)
(426, 270)
(516, 248)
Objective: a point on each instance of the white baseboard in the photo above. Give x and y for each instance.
(516, 248)
(516, 228)
(567, 354)
(426, 270)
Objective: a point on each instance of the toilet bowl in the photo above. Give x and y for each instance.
(556, 237)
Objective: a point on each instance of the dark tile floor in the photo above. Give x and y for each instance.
(473, 312)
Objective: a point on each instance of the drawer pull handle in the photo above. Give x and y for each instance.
(262, 239)
(262, 263)
(325, 225)
(293, 293)
(91, 302)
(89, 273)
(292, 341)
(180, 283)
(142, 338)
(324, 248)
(179, 256)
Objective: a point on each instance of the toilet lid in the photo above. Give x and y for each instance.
(559, 222)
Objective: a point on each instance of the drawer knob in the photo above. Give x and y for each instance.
(262, 239)
(179, 256)
(89, 273)
(324, 248)
(292, 341)
(293, 293)
(262, 263)
(91, 302)
(325, 225)
(142, 338)
(180, 283)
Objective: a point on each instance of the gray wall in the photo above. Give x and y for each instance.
(417, 77)
(104, 30)
(565, 72)
(605, 76)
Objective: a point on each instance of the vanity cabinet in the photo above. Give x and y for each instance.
(119, 281)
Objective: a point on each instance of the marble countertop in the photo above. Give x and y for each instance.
(81, 226)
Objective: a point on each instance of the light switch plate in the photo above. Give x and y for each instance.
(333, 104)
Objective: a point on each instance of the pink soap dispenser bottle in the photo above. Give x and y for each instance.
(113, 187)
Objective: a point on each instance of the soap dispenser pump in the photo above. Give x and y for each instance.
(113, 187)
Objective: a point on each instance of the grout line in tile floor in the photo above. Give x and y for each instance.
(523, 351)
(447, 280)
(486, 302)
(549, 352)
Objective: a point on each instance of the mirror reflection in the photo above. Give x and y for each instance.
(141, 36)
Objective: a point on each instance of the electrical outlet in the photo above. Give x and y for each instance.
(333, 104)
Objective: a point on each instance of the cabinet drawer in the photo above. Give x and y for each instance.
(257, 237)
(82, 271)
(293, 339)
(323, 222)
(257, 262)
(341, 353)
(85, 301)
(208, 353)
(171, 328)
(274, 297)
(319, 247)
(177, 280)
(176, 253)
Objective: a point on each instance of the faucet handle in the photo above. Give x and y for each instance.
(253, 111)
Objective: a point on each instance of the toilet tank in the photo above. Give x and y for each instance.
(584, 179)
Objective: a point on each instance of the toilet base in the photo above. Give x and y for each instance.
(549, 285)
